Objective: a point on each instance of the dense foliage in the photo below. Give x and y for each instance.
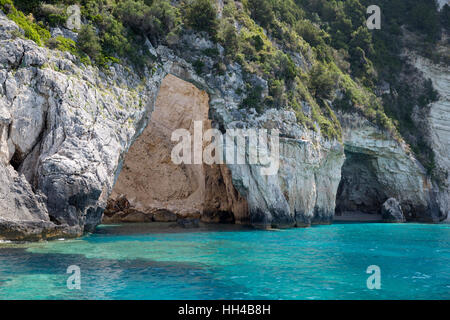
(314, 54)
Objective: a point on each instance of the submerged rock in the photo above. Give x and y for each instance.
(188, 223)
(391, 211)
(24, 230)
(164, 216)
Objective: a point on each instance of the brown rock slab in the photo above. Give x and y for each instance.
(151, 182)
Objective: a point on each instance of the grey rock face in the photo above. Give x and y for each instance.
(24, 214)
(63, 32)
(302, 193)
(438, 123)
(378, 167)
(71, 126)
(65, 128)
(7, 26)
(18, 201)
(391, 211)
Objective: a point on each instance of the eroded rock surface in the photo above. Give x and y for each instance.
(438, 123)
(378, 167)
(304, 189)
(391, 211)
(64, 128)
(163, 191)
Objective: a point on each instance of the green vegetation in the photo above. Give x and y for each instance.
(154, 19)
(316, 55)
(89, 42)
(33, 31)
(114, 30)
(322, 83)
(201, 15)
(55, 15)
(62, 44)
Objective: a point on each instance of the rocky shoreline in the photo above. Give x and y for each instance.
(66, 130)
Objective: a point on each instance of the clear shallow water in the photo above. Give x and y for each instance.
(322, 262)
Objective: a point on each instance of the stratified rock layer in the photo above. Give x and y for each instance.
(439, 123)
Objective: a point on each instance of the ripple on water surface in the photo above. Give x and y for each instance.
(322, 262)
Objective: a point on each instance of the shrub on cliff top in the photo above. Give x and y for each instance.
(55, 15)
(201, 15)
(155, 18)
(32, 30)
(89, 42)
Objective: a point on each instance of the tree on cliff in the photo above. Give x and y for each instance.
(201, 15)
(88, 42)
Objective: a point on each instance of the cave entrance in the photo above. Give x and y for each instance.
(360, 194)
(150, 187)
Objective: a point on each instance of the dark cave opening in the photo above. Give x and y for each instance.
(359, 190)
(16, 160)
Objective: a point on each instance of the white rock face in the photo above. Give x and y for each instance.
(303, 191)
(378, 168)
(66, 128)
(439, 122)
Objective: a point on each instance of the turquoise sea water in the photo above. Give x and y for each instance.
(321, 262)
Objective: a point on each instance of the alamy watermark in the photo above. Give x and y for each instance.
(74, 17)
(236, 146)
(374, 21)
(374, 280)
(74, 280)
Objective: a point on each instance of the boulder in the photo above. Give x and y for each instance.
(133, 215)
(164, 216)
(391, 211)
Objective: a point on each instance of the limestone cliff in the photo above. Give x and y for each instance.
(304, 190)
(378, 167)
(438, 122)
(64, 132)
(73, 137)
